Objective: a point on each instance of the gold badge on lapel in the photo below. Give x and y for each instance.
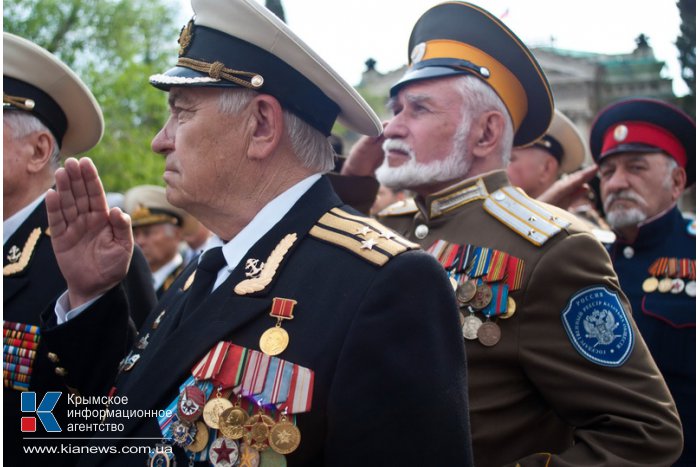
(19, 261)
(268, 269)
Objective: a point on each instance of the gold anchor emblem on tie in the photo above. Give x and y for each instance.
(269, 268)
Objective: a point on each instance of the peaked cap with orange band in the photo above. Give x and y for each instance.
(645, 126)
(458, 38)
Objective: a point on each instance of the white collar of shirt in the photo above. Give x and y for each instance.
(161, 274)
(10, 225)
(263, 222)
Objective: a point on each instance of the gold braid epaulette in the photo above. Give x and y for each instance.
(363, 236)
(218, 70)
(14, 268)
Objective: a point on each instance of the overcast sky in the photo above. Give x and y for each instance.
(347, 32)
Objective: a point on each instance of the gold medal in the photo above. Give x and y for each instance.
(274, 341)
(258, 427)
(489, 333)
(213, 410)
(466, 291)
(471, 325)
(665, 284)
(201, 438)
(482, 297)
(284, 437)
(232, 421)
(650, 284)
(510, 311)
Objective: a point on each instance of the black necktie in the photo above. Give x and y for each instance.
(205, 275)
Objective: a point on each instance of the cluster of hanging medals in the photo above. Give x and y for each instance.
(237, 408)
(482, 279)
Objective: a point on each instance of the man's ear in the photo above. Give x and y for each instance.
(551, 167)
(489, 127)
(42, 147)
(678, 179)
(267, 126)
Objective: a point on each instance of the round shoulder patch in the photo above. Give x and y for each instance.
(691, 227)
(598, 327)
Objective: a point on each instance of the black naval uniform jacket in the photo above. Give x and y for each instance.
(383, 341)
(665, 320)
(26, 294)
(537, 398)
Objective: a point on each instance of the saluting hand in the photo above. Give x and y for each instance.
(365, 156)
(566, 190)
(92, 244)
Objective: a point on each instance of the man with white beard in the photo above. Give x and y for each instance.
(646, 153)
(558, 374)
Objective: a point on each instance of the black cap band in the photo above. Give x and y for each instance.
(296, 93)
(45, 108)
(552, 146)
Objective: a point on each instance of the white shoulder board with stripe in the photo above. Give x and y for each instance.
(524, 215)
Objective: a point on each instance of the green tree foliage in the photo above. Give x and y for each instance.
(686, 50)
(114, 46)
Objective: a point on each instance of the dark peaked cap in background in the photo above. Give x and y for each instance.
(242, 44)
(645, 125)
(459, 38)
(37, 82)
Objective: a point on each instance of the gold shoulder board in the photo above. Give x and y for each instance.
(525, 216)
(361, 235)
(399, 208)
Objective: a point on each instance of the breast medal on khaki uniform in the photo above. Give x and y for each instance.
(557, 371)
(549, 337)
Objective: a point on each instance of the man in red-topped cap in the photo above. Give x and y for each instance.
(646, 153)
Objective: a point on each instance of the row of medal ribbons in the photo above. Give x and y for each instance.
(233, 409)
(671, 275)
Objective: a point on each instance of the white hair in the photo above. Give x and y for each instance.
(310, 146)
(24, 123)
(671, 164)
(478, 98)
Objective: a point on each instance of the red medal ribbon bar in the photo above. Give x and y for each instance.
(254, 373)
(300, 391)
(673, 267)
(231, 368)
(210, 365)
(497, 267)
(514, 273)
(282, 308)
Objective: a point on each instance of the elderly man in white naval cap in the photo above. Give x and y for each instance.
(311, 335)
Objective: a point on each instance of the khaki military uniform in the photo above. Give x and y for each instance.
(540, 395)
